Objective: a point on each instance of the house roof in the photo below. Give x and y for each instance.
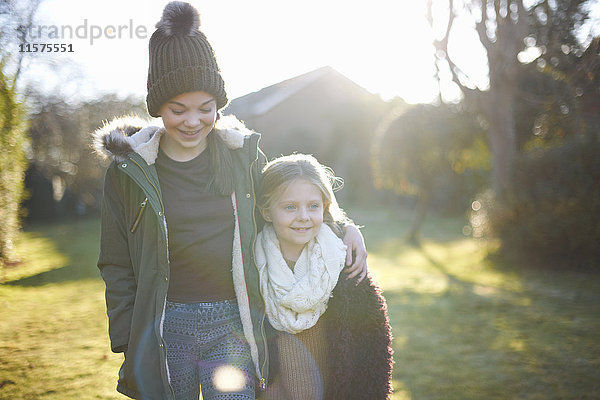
(260, 102)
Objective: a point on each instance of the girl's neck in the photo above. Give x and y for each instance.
(291, 264)
(179, 153)
(291, 254)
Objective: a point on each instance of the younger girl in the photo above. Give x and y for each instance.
(334, 337)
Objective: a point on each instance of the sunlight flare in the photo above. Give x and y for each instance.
(228, 378)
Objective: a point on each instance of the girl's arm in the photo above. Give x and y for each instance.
(356, 252)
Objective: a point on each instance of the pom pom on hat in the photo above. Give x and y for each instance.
(179, 19)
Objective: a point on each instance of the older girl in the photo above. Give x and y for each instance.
(334, 340)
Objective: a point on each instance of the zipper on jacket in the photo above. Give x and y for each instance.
(162, 206)
(139, 216)
(162, 214)
(262, 381)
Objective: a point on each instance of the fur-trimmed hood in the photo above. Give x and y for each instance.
(123, 135)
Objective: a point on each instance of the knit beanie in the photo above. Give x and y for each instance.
(181, 59)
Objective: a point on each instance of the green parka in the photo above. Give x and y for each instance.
(134, 260)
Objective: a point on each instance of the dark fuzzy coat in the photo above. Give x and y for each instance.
(359, 343)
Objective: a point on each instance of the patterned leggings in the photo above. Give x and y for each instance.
(206, 348)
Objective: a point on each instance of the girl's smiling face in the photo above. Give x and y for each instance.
(297, 216)
(188, 119)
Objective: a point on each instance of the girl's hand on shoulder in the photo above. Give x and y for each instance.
(356, 253)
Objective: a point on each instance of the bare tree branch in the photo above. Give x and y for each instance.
(24, 27)
(429, 14)
(456, 72)
(522, 22)
(496, 4)
(481, 27)
(17, 19)
(442, 47)
(451, 16)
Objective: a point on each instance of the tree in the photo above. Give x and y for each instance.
(418, 151)
(555, 103)
(16, 19)
(61, 150)
(557, 95)
(549, 217)
(506, 29)
(12, 166)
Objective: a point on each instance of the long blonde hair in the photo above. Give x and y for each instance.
(281, 171)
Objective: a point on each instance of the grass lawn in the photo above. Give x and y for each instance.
(463, 329)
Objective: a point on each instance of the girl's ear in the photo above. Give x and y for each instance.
(266, 214)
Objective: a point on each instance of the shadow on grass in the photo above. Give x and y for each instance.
(77, 243)
(58, 275)
(452, 280)
(472, 341)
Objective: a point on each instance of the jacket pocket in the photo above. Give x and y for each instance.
(139, 215)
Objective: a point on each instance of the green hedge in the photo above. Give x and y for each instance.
(550, 216)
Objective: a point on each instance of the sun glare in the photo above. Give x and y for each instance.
(383, 45)
(228, 378)
(398, 52)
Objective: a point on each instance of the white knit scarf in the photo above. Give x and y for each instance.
(295, 300)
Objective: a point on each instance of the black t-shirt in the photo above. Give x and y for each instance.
(200, 226)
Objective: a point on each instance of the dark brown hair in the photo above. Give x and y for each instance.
(220, 164)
